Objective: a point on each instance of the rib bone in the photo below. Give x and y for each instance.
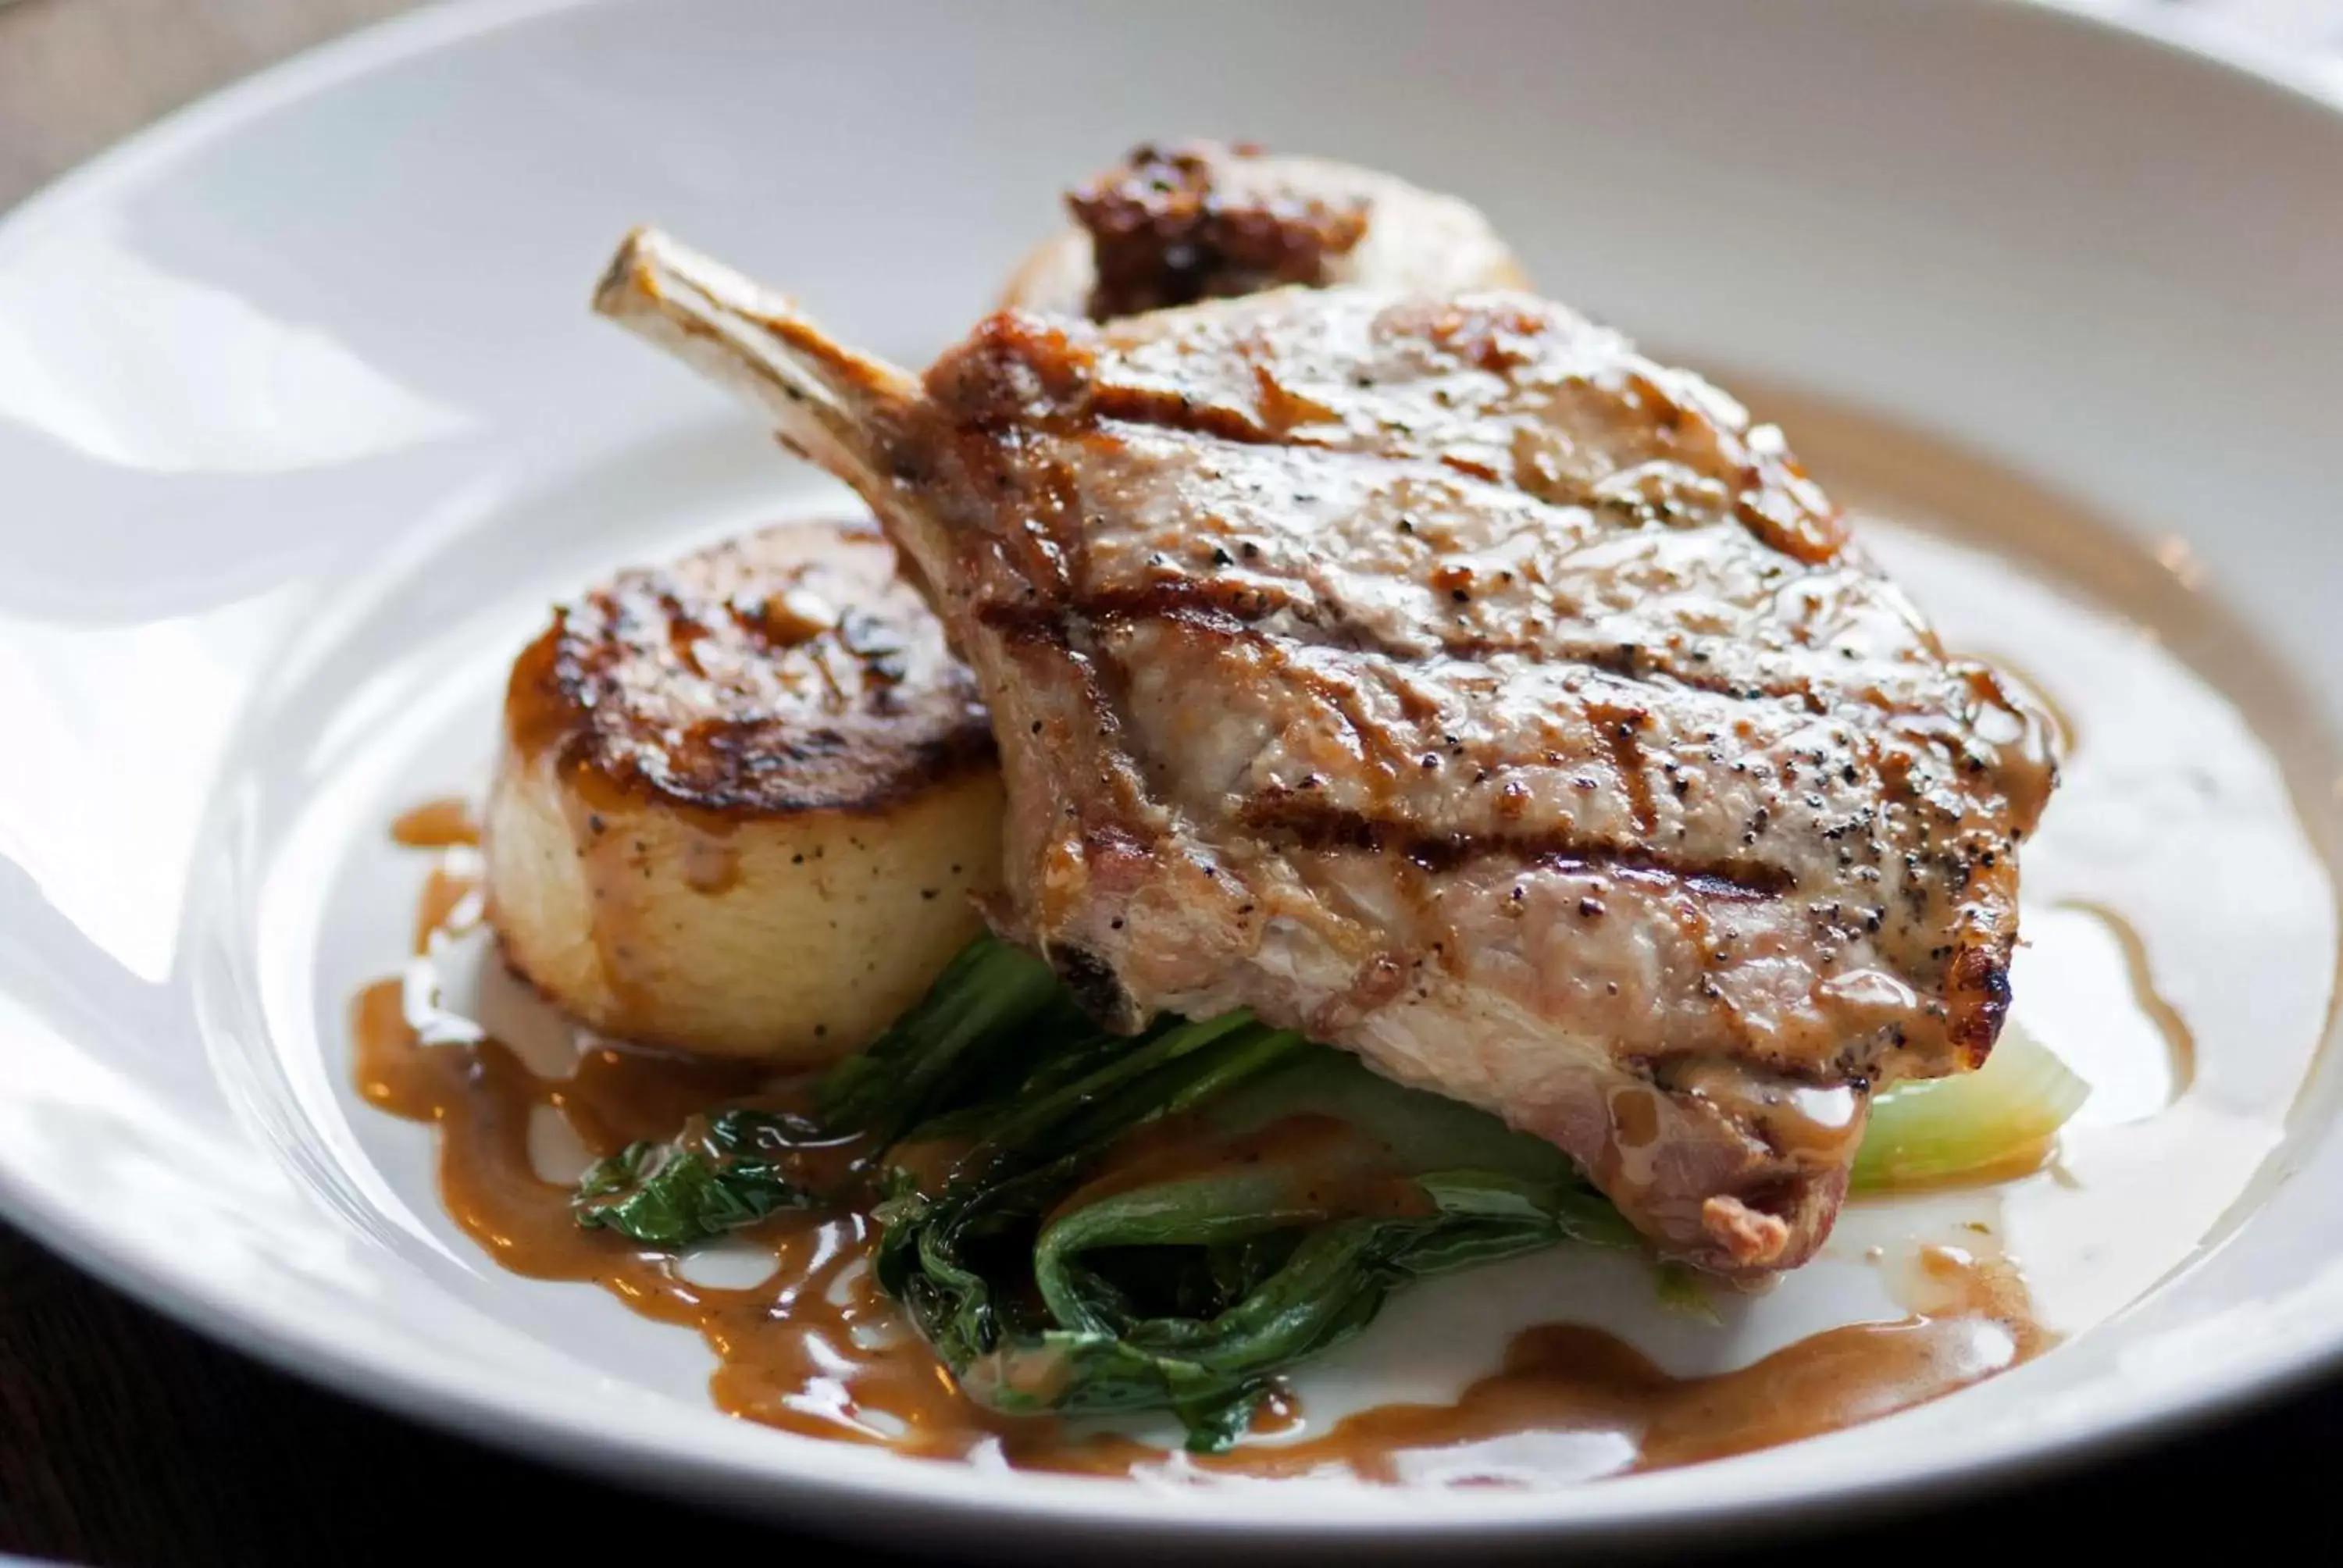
(838, 408)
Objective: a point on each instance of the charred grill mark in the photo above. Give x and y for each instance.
(745, 764)
(1312, 824)
(1061, 625)
(1622, 729)
(1232, 607)
(1772, 508)
(1473, 467)
(1164, 410)
(1634, 661)
(873, 710)
(1976, 990)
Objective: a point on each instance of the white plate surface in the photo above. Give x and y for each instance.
(303, 423)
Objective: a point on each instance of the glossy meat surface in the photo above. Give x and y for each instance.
(1440, 676)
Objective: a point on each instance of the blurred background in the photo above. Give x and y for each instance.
(76, 76)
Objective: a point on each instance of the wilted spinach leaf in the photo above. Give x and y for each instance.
(1084, 1223)
(1187, 1287)
(721, 1172)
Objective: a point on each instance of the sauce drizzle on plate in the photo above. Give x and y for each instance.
(815, 1348)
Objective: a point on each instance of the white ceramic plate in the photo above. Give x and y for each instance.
(303, 423)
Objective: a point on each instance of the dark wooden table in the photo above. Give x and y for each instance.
(125, 1440)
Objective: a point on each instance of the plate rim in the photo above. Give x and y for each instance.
(836, 1489)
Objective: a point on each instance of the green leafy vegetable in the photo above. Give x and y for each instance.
(1084, 1223)
(1097, 1224)
(1997, 1120)
(989, 998)
(719, 1173)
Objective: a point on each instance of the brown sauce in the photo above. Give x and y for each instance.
(2197, 780)
(816, 1347)
(595, 808)
(790, 1349)
(436, 824)
(1564, 1379)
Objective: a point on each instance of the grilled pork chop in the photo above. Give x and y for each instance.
(1436, 675)
(744, 795)
(1208, 220)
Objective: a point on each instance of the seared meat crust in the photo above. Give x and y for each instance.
(1438, 676)
(1207, 220)
(789, 669)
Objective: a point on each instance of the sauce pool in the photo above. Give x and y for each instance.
(816, 1347)
(436, 824)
